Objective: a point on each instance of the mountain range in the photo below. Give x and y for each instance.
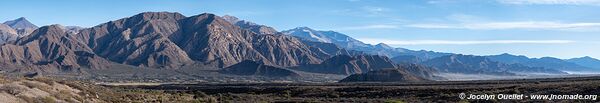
(347, 64)
(469, 64)
(168, 40)
(546, 62)
(402, 55)
(350, 43)
(586, 61)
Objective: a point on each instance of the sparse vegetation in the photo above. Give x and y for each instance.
(375, 92)
(48, 90)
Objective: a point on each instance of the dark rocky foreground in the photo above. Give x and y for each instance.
(436, 91)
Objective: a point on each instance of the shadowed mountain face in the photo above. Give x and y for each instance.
(253, 68)
(546, 62)
(141, 40)
(468, 64)
(586, 61)
(209, 38)
(49, 49)
(22, 26)
(345, 64)
(386, 75)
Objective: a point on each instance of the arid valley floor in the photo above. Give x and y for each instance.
(439, 91)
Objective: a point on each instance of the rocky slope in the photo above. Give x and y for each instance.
(160, 40)
(209, 38)
(7, 34)
(141, 40)
(49, 49)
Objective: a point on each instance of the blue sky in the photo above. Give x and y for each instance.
(535, 28)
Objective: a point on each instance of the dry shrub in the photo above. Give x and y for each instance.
(3, 80)
(48, 99)
(28, 99)
(13, 88)
(63, 95)
(44, 80)
(40, 86)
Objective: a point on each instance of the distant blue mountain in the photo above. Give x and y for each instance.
(350, 43)
(546, 62)
(586, 61)
(470, 64)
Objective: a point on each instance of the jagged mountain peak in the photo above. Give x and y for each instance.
(20, 23)
(159, 15)
(231, 19)
(53, 32)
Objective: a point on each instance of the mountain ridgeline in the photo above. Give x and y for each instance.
(171, 41)
(166, 40)
(469, 64)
